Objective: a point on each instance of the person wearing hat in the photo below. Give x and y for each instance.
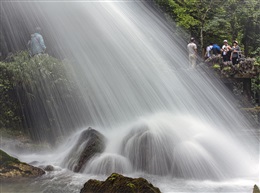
(36, 43)
(235, 53)
(225, 51)
(192, 49)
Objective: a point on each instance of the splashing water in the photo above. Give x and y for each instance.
(159, 118)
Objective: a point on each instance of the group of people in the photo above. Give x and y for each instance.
(36, 46)
(229, 53)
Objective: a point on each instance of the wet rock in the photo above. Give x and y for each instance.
(117, 183)
(138, 146)
(11, 167)
(256, 189)
(49, 168)
(89, 143)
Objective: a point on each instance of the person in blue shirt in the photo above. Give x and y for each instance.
(216, 49)
(36, 43)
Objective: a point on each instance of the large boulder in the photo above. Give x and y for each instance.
(89, 143)
(256, 189)
(11, 167)
(117, 183)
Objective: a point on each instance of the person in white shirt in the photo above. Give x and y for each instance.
(226, 51)
(208, 53)
(192, 49)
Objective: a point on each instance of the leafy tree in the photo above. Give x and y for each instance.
(194, 15)
(249, 19)
(216, 20)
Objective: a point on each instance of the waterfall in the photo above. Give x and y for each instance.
(132, 70)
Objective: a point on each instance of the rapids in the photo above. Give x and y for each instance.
(177, 127)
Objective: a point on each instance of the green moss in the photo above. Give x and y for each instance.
(131, 185)
(113, 176)
(6, 159)
(216, 66)
(227, 68)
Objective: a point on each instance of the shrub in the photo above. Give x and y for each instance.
(37, 94)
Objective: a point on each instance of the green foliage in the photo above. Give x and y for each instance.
(34, 90)
(216, 20)
(10, 111)
(256, 81)
(256, 53)
(184, 17)
(256, 84)
(131, 185)
(6, 159)
(113, 177)
(216, 66)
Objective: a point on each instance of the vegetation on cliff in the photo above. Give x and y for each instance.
(36, 96)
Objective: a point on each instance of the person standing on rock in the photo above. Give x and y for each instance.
(235, 53)
(192, 49)
(36, 44)
(226, 51)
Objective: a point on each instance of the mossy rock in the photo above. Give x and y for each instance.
(117, 183)
(11, 167)
(256, 189)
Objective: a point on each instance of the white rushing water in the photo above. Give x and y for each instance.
(179, 128)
